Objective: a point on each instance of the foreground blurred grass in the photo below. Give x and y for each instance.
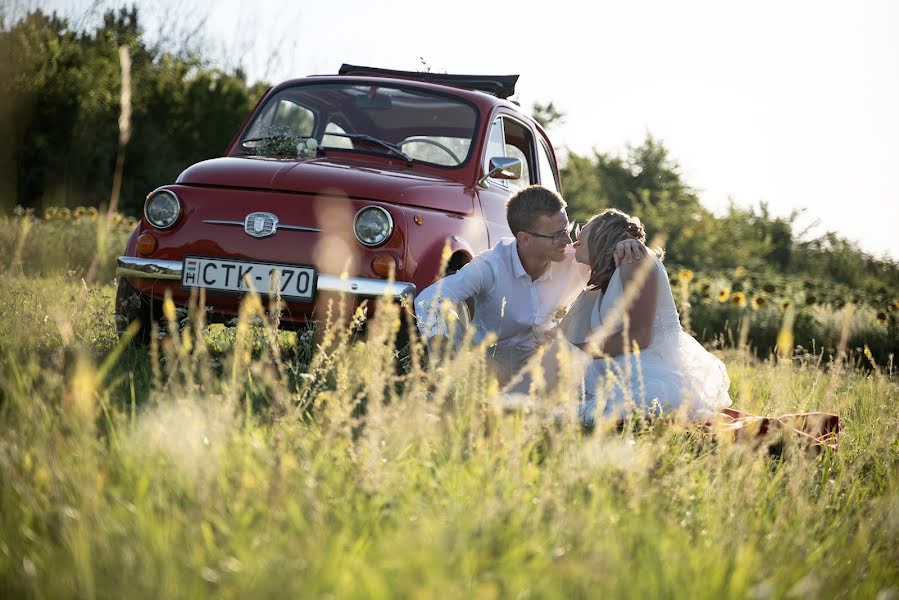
(232, 466)
(239, 463)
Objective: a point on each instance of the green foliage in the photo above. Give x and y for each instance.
(731, 310)
(548, 115)
(648, 184)
(60, 91)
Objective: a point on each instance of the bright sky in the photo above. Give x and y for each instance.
(792, 103)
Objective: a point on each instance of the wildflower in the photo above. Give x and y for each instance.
(738, 299)
(758, 302)
(740, 272)
(723, 295)
(685, 275)
(882, 318)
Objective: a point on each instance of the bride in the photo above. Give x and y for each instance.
(624, 329)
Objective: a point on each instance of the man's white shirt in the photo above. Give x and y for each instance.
(507, 302)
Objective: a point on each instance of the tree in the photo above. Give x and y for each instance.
(59, 109)
(547, 114)
(646, 183)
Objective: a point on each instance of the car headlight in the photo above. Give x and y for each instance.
(162, 209)
(373, 226)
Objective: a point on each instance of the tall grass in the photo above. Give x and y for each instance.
(246, 462)
(242, 464)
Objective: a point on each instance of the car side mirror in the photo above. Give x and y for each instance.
(502, 167)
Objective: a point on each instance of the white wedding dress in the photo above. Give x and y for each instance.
(673, 373)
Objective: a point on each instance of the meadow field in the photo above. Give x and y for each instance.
(244, 461)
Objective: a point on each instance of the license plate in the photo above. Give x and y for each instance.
(294, 282)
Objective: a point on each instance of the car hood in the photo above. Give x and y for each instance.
(330, 176)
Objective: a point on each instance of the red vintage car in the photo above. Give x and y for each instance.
(365, 174)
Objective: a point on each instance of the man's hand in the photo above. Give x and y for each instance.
(628, 251)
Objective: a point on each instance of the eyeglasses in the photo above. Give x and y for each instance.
(570, 232)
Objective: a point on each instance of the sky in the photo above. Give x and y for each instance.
(792, 103)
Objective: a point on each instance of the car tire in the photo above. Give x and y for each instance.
(131, 306)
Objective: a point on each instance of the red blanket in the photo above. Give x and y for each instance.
(815, 431)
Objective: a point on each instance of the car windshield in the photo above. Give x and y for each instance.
(402, 122)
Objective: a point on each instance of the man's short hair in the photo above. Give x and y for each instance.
(527, 204)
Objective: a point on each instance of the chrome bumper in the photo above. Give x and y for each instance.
(151, 268)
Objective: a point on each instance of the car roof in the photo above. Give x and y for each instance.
(501, 86)
(483, 99)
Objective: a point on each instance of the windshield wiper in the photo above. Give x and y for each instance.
(372, 140)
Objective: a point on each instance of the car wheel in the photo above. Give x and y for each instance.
(131, 306)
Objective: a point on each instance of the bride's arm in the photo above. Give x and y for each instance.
(639, 299)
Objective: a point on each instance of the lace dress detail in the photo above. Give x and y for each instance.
(674, 372)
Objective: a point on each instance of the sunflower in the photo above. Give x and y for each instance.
(810, 300)
(723, 295)
(738, 299)
(685, 275)
(882, 318)
(758, 302)
(740, 272)
(785, 305)
(769, 288)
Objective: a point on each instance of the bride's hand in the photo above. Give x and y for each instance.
(628, 251)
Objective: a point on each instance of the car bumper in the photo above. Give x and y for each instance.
(151, 268)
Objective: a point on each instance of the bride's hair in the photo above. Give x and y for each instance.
(610, 227)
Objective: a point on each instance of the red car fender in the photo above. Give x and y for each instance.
(131, 246)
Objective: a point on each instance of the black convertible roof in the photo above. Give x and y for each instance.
(501, 86)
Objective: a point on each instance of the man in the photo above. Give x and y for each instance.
(518, 285)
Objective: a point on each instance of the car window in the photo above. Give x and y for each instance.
(283, 117)
(495, 145)
(430, 127)
(547, 174)
(335, 141)
(519, 144)
(511, 139)
(437, 149)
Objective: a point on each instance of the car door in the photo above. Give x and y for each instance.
(509, 137)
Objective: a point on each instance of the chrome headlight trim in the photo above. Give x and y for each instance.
(386, 235)
(153, 196)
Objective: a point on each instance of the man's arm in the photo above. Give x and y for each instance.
(469, 281)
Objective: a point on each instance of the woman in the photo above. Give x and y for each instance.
(627, 323)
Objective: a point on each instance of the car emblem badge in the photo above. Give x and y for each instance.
(260, 224)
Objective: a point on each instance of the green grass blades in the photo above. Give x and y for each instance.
(247, 462)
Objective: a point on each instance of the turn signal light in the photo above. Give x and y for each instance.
(384, 265)
(146, 244)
